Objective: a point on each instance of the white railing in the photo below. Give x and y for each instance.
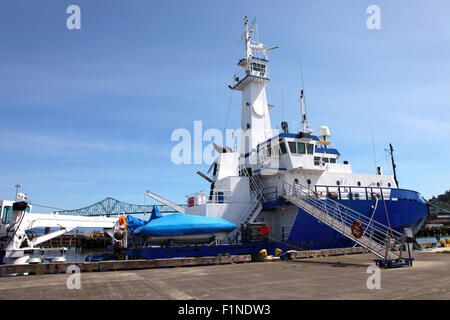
(353, 192)
(217, 196)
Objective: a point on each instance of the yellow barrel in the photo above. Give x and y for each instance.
(278, 252)
(447, 240)
(441, 241)
(263, 253)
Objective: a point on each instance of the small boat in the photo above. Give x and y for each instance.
(179, 228)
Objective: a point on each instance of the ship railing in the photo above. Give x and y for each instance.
(249, 210)
(254, 181)
(256, 196)
(206, 196)
(297, 126)
(250, 70)
(376, 236)
(353, 192)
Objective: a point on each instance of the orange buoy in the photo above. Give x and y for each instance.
(122, 220)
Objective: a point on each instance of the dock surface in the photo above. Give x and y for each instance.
(333, 277)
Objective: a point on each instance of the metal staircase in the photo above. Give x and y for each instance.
(250, 212)
(372, 235)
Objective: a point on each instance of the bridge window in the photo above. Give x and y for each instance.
(258, 67)
(332, 160)
(292, 146)
(317, 161)
(7, 212)
(310, 148)
(325, 160)
(301, 148)
(282, 147)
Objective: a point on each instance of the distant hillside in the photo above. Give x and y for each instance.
(442, 200)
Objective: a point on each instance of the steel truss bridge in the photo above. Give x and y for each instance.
(111, 206)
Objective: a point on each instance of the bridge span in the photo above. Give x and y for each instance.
(110, 206)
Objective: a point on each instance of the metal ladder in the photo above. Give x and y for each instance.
(250, 212)
(376, 237)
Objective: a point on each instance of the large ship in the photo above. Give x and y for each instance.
(273, 172)
(291, 187)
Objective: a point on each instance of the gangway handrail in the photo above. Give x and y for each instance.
(377, 237)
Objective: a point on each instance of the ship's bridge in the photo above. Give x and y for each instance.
(288, 151)
(253, 69)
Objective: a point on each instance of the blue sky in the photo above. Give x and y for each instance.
(89, 113)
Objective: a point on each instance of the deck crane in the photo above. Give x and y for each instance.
(16, 241)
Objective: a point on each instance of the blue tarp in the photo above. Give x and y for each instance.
(155, 214)
(184, 224)
(134, 223)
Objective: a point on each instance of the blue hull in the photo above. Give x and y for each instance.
(409, 211)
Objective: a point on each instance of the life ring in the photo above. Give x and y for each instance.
(122, 220)
(357, 229)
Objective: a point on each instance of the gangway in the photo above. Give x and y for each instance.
(372, 235)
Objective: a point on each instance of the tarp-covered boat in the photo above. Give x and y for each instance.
(179, 227)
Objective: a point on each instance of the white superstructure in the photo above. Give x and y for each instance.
(242, 180)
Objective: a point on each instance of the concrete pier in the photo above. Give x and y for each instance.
(332, 277)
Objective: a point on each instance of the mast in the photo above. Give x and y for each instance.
(305, 126)
(251, 81)
(303, 113)
(393, 164)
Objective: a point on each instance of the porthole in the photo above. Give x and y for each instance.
(389, 184)
(359, 183)
(338, 183)
(378, 184)
(308, 181)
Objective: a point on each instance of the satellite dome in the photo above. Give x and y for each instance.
(324, 132)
